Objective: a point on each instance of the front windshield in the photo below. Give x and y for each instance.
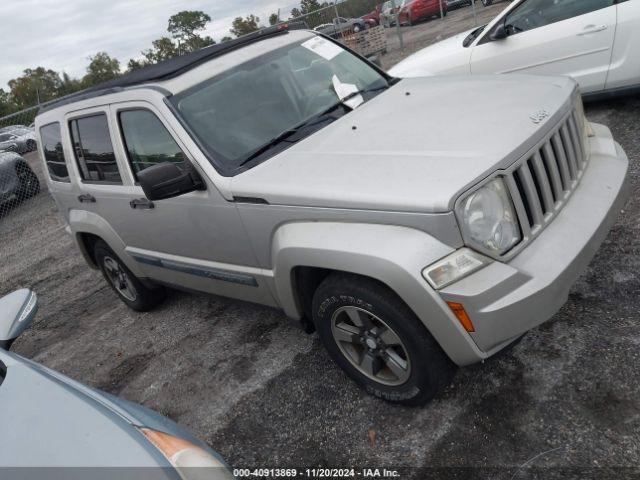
(239, 112)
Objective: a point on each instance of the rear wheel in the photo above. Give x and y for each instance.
(487, 3)
(378, 341)
(126, 285)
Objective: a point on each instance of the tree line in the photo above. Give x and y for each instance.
(184, 35)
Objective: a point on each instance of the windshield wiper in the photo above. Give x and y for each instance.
(319, 118)
(289, 132)
(362, 92)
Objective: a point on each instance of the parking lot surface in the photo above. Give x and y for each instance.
(565, 400)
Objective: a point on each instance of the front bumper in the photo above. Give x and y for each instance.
(504, 300)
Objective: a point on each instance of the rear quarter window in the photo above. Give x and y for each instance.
(53, 152)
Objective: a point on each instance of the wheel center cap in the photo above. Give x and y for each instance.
(371, 343)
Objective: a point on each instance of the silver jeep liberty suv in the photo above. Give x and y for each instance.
(283, 169)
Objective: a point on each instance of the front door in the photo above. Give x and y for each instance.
(553, 37)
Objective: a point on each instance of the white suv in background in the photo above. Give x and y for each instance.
(594, 41)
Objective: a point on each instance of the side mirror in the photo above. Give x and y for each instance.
(499, 33)
(17, 311)
(166, 180)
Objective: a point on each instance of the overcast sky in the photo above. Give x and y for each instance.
(62, 34)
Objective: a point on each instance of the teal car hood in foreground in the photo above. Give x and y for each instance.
(49, 420)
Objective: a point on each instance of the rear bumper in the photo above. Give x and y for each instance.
(504, 300)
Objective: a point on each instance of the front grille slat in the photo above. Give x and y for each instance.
(544, 183)
(568, 148)
(531, 195)
(521, 211)
(563, 163)
(554, 173)
(577, 144)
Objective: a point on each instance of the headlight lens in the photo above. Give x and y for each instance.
(488, 218)
(191, 461)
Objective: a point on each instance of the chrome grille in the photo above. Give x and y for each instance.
(541, 183)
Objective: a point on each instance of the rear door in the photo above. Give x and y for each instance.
(553, 37)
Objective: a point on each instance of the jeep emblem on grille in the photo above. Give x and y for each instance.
(539, 116)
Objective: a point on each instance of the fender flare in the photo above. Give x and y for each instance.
(390, 254)
(82, 221)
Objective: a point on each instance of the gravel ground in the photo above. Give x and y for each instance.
(564, 400)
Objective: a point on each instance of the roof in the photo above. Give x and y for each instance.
(169, 68)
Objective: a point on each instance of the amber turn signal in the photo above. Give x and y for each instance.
(462, 316)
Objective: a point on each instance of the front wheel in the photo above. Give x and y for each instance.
(378, 341)
(126, 285)
(487, 3)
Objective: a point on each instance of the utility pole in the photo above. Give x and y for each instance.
(441, 12)
(475, 17)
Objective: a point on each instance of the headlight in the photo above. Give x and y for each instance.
(191, 461)
(488, 218)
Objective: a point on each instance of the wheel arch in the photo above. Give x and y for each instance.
(304, 253)
(87, 228)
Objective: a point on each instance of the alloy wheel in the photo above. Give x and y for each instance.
(371, 346)
(119, 278)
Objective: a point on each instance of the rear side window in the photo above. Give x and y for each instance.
(93, 150)
(147, 141)
(53, 153)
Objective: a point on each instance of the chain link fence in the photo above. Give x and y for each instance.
(390, 30)
(20, 177)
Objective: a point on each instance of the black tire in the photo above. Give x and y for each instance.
(29, 183)
(487, 3)
(429, 368)
(144, 299)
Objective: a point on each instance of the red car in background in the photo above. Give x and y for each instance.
(373, 16)
(413, 11)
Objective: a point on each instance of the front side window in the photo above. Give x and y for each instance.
(147, 141)
(237, 116)
(93, 149)
(539, 13)
(53, 153)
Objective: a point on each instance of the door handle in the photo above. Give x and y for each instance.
(589, 29)
(86, 198)
(142, 204)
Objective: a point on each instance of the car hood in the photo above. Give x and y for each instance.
(50, 420)
(414, 147)
(418, 64)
